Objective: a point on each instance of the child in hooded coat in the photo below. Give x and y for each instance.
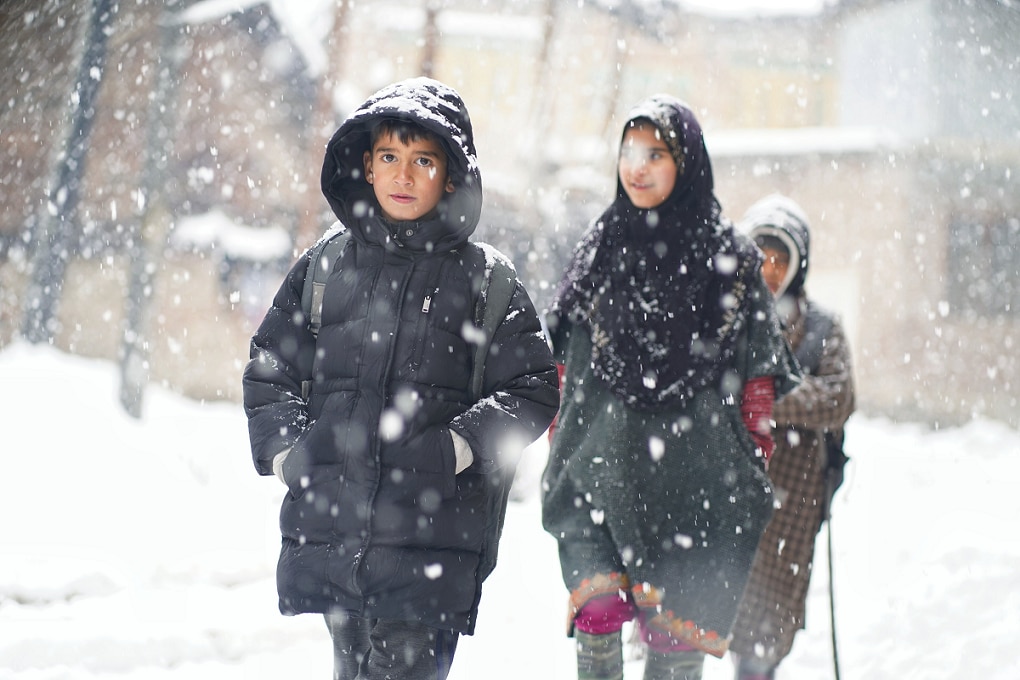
(775, 599)
(655, 488)
(391, 463)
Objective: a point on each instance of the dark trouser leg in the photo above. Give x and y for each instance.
(669, 658)
(351, 643)
(751, 668)
(406, 650)
(675, 665)
(599, 657)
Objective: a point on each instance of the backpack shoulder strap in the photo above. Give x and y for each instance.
(496, 279)
(322, 257)
(499, 280)
(817, 326)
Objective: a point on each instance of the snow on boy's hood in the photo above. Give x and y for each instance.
(436, 107)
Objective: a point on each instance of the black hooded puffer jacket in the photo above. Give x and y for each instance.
(375, 521)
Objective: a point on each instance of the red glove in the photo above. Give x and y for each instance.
(756, 409)
(560, 371)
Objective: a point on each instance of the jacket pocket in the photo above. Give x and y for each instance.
(424, 460)
(298, 470)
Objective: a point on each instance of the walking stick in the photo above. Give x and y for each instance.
(832, 590)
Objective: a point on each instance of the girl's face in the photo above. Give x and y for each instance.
(647, 170)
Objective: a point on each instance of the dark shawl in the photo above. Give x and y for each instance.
(662, 291)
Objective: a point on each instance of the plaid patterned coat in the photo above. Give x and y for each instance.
(772, 610)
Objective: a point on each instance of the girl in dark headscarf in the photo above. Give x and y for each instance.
(672, 356)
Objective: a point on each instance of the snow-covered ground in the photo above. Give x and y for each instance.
(146, 550)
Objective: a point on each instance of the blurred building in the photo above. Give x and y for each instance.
(912, 191)
(894, 123)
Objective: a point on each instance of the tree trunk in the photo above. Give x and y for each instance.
(322, 125)
(430, 39)
(530, 150)
(153, 225)
(55, 232)
(616, 79)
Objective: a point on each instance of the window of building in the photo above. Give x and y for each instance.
(984, 267)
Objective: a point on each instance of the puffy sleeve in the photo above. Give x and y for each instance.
(280, 359)
(520, 386)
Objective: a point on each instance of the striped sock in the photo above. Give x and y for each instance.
(599, 657)
(680, 665)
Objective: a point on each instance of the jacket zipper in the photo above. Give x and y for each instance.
(420, 328)
(367, 538)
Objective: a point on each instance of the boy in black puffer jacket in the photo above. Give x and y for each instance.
(392, 463)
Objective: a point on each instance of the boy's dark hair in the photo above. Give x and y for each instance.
(771, 242)
(406, 131)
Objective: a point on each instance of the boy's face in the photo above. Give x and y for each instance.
(777, 262)
(408, 179)
(647, 170)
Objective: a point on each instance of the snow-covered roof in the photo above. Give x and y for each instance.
(739, 9)
(796, 141)
(210, 10)
(216, 230)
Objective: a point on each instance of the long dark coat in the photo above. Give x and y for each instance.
(375, 521)
(668, 501)
(675, 501)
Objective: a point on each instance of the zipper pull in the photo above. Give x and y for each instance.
(426, 304)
